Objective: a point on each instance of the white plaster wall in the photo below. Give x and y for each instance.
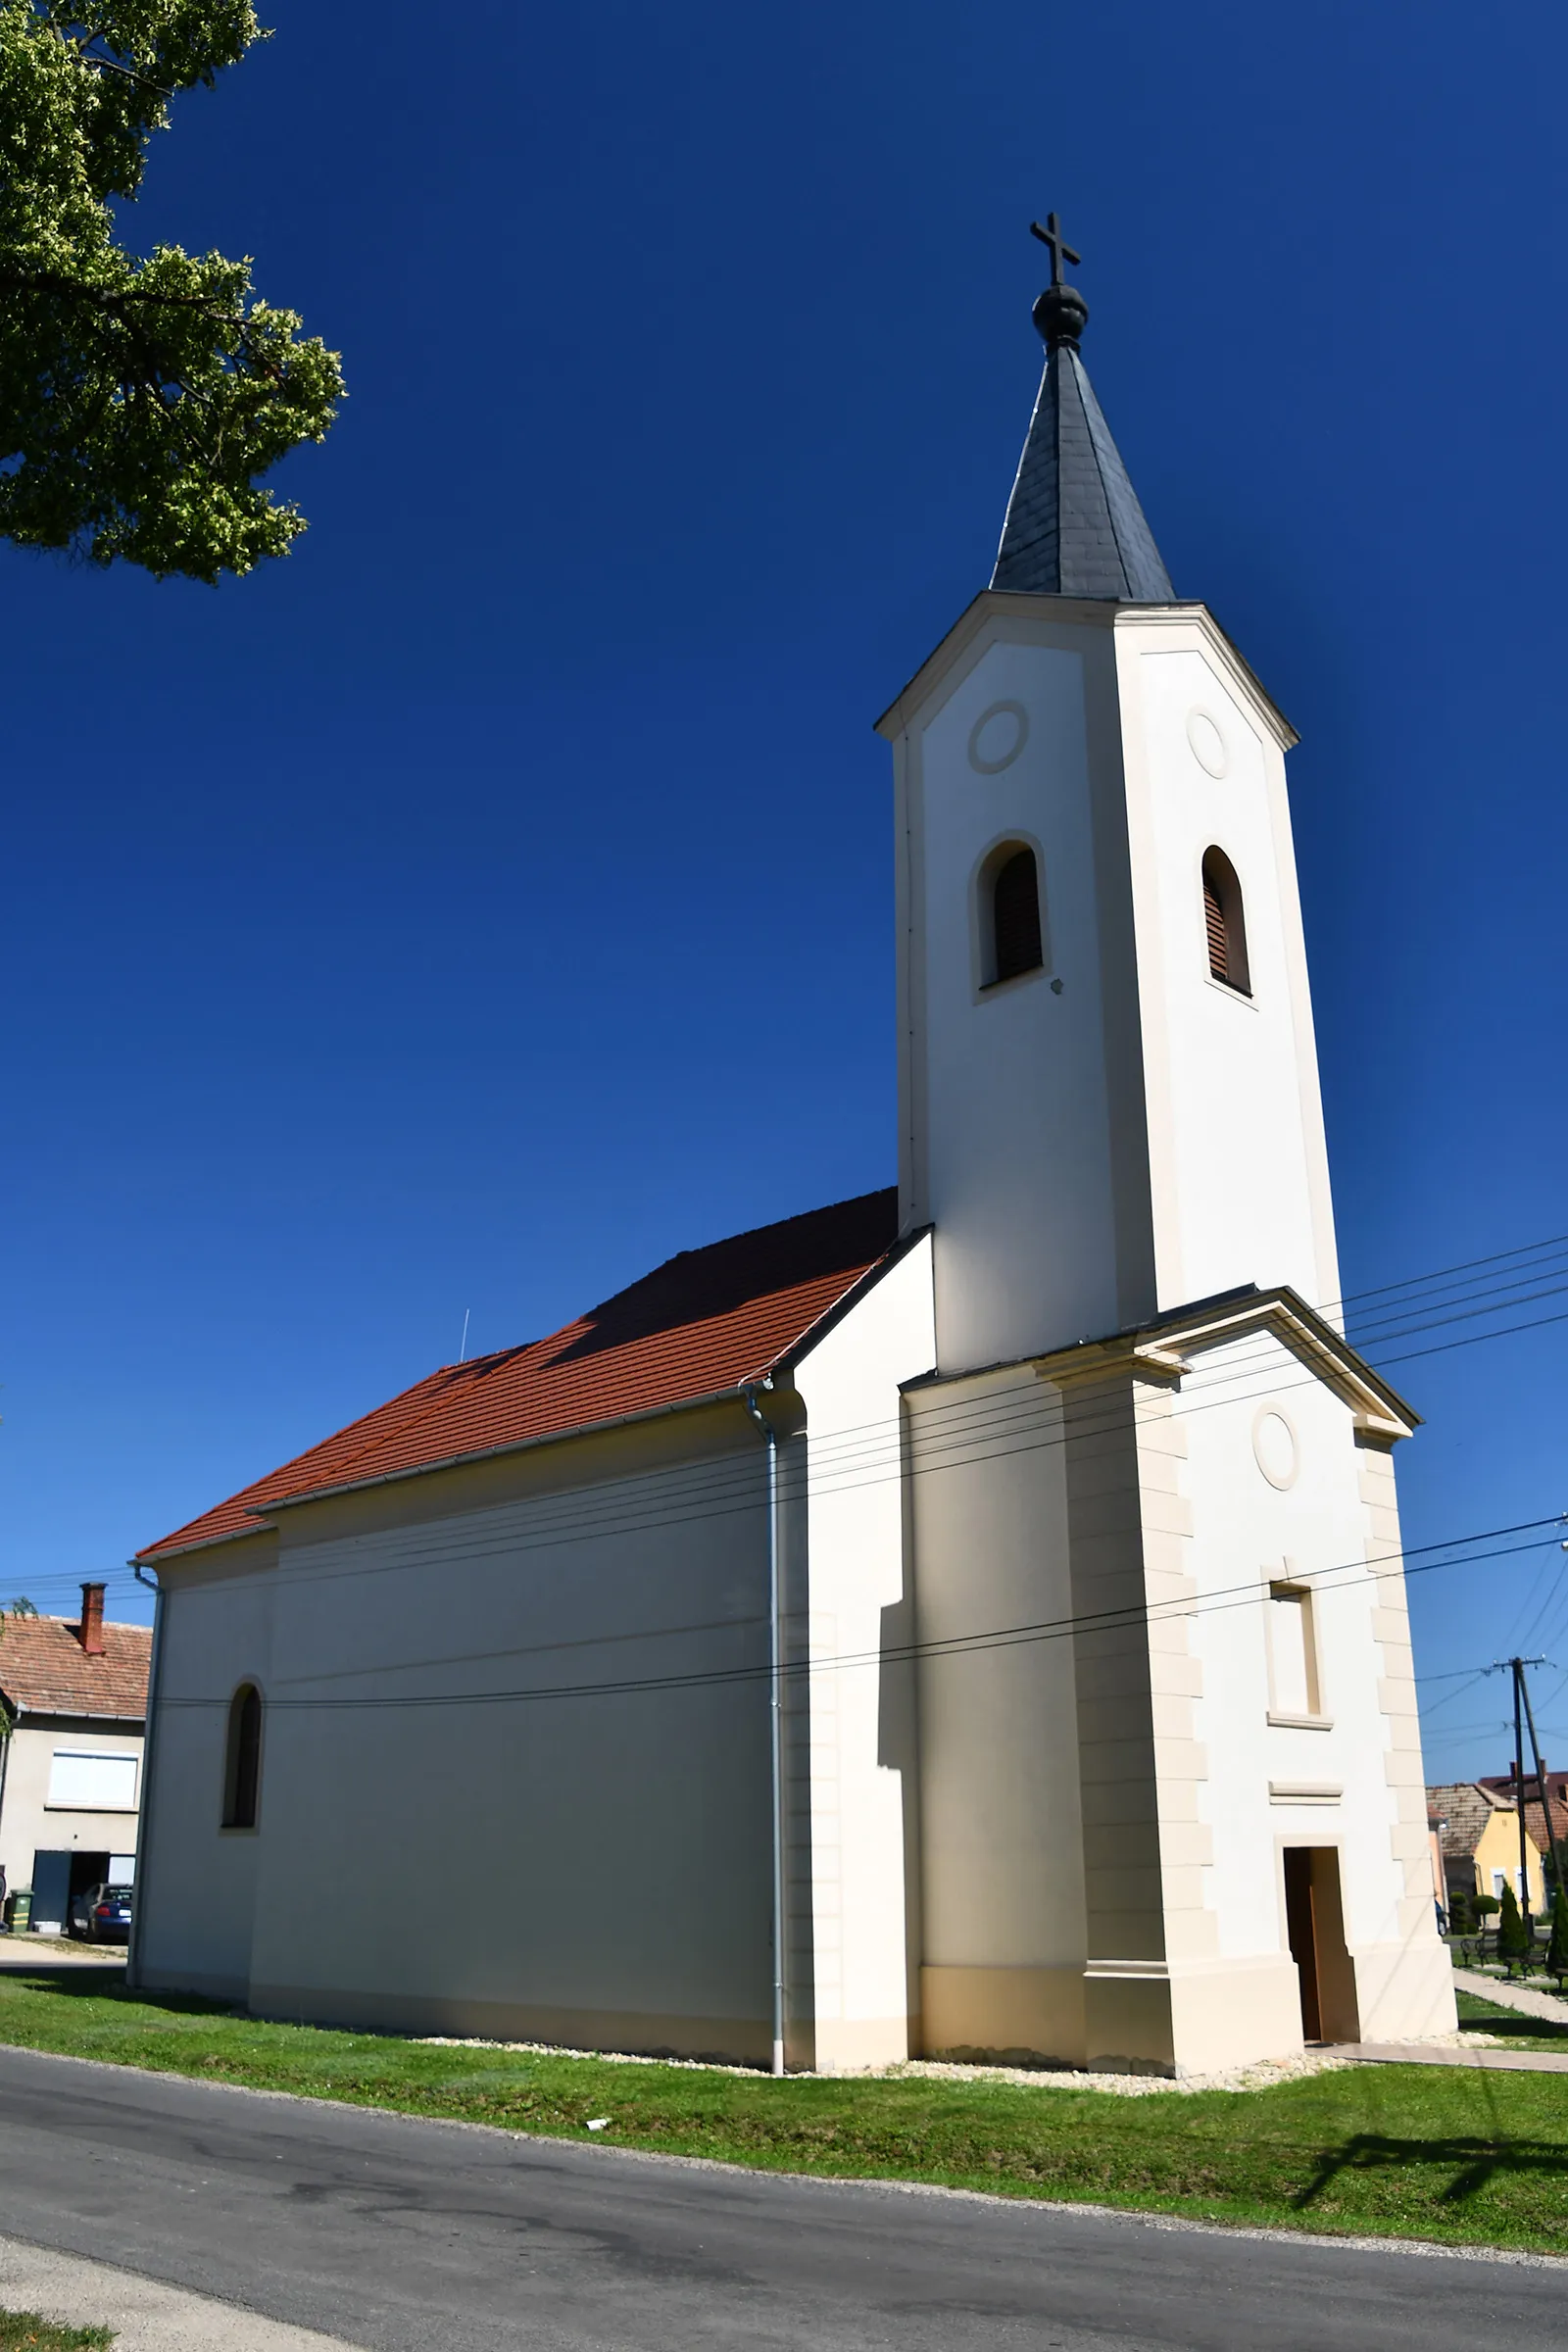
(28, 1823)
(1245, 1530)
(1239, 1167)
(1002, 1835)
(600, 1851)
(865, 1792)
(197, 1884)
(1012, 1092)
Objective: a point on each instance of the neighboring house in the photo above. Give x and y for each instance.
(966, 1618)
(74, 1705)
(1440, 1883)
(1548, 1824)
(1478, 1829)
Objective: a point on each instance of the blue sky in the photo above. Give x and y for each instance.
(496, 896)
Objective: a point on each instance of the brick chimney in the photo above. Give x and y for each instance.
(90, 1632)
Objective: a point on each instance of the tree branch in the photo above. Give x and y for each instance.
(105, 298)
(112, 64)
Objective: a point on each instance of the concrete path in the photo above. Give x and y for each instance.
(36, 1955)
(1522, 1998)
(146, 2317)
(1424, 2053)
(402, 2236)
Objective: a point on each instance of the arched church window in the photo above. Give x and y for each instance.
(242, 1759)
(1014, 934)
(1225, 922)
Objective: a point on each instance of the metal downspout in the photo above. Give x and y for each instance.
(775, 1701)
(145, 1811)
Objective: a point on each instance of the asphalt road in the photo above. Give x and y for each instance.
(412, 2236)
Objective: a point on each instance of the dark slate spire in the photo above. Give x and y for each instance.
(1074, 527)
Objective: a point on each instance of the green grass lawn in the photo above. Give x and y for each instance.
(24, 2332)
(1511, 2025)
(1406, 2151)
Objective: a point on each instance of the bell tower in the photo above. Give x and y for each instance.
(1143, 1447)
(1109, 1090)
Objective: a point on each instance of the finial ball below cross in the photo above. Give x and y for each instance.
(1061, 313)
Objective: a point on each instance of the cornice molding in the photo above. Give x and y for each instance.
(1070, 612)
(1162, 1353)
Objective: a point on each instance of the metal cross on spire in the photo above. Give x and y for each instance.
(1060, 250)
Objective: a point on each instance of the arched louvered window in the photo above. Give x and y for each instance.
(1013, 933)
(1225, 922)
(242, 1760)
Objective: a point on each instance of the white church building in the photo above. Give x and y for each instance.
(967, 1618)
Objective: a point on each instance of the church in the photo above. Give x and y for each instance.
(966, 1619)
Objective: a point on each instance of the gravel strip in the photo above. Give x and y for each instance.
(1262, 2076)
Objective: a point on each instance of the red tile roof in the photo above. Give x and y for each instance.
(1502, 1787)
(45, 1671)
(700, 1323)
(1464, 1808)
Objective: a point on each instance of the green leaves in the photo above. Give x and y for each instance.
(141, 401)
(1557, 1949)
(1514, 1942)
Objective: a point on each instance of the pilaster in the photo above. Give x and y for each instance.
(1404, 1985)
(1140, 1764)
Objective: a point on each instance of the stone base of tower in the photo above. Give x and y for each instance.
(1127, 2018)
(1405, 1991)
(1012, 2016)
(1195, 2018)
(1235, 2013)
(861, 2044)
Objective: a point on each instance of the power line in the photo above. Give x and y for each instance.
(836, 1457)
(731, 1499)
(1251, 1594)
(1557, 1241)
(733, 1490)
(834, 1446)
(1228, 1372)
(1463, 1691)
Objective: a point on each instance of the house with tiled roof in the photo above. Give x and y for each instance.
(1546, 1802)
(966, 1618)
(73, 1711)
(1477, 1823)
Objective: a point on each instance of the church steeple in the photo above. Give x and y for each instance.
(1074, 527)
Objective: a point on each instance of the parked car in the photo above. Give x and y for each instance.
(102, 1915)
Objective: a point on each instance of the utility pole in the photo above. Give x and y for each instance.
(1540, 1772)
(1521, 1709)
(1519, 1790)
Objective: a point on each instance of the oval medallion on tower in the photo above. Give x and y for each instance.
(997, 738)
(1208, 743)
(1274, 1446)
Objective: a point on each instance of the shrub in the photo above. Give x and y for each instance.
(1514, 1939)
(1557, 1948)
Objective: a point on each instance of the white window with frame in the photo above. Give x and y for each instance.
(84, 1779)
(1294, 1689)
